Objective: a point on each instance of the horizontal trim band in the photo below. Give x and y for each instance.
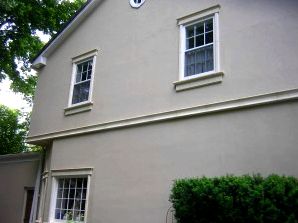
(20, 157)
(269, 98)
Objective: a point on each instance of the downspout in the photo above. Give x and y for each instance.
(37, 189)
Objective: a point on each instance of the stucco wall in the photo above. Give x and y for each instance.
(134, 168)
(16, 173)
(138, 59)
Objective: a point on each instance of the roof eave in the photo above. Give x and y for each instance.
(41, 59)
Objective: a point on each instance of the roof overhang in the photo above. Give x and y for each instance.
(41, 59)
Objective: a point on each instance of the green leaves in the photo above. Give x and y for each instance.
(236, 199)
(19, 21)
(12, 132)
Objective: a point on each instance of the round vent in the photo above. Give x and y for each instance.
(136, 3)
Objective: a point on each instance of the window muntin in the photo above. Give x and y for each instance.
(71, 199)
(199, 48)
(82, 83)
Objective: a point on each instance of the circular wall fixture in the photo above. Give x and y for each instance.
(136, 3)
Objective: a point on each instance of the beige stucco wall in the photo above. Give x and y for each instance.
(134, 168)
(138, 59)
(16, 173)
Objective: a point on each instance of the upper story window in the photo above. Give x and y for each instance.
(82, 83)
(199, 49)
(82, 79)
(136, 3)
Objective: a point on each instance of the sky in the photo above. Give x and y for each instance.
(15, 100)
(11, 99)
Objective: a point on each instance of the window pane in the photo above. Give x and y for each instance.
(209, 25)
(190, 43)
(58, 203)
(84, 76)
(85, 183)
(190, 31)
(79, 183)
(81, 92)
(79, 71)
(209, 59)
(58, 214)
(73, 206)
(199, 61)
(200, 28)
(199, 40)
(209, 37)
(72, 193)
(60, 193)
(66, 183)
(83, 70)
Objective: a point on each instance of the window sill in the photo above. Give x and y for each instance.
(82, 107)
(200, 81)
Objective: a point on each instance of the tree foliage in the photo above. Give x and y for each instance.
(19, 22)
(12, 131)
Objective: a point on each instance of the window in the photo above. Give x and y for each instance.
(69, 199)
(81, 88)
(82, 78)
(136, 3)
(80, 94)
(199, 50)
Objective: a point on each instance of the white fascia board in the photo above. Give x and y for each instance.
(214, 107)
(41, 60)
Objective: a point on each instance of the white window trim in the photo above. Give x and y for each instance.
(80, 172)
(206, 78)
(78, 107)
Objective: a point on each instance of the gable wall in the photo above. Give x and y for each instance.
(138, 60)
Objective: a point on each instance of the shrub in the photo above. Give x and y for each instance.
(236, 199)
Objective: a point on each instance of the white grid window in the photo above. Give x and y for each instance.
(71, 199)
(82, 83)
(199, 56)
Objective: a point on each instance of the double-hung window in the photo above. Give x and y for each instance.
(80, 94)
(82, 78)
(199, 49)
(82, 83)
(199, 56)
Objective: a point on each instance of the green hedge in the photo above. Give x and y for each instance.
(236, 199)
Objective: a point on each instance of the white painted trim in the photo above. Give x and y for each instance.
(136, 5)
(190, 20)
(76, 108)
(84, 56)
(20, 158)
(85, 171)
(198, 15)
(202, 80)
(232, 104)
(73, 172)
(33, 214)
(40, 62)
(65, 32)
